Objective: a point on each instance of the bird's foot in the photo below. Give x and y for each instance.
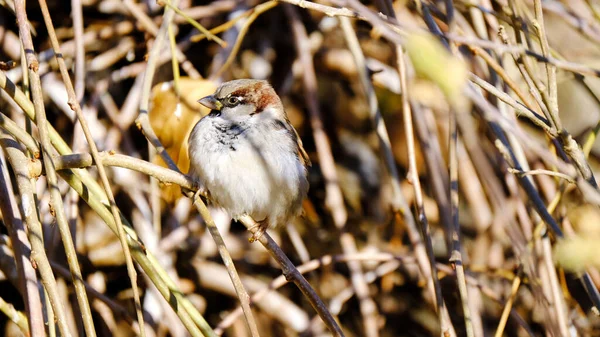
(258, 229)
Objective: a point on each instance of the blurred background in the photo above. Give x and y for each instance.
(453, 151)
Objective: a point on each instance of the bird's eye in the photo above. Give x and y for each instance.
(233, 100)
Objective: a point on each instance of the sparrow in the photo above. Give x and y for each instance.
(247, 155)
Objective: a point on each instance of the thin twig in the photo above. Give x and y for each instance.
(433, 280)
(115, 306)
(331, 11)
(144, 124)
(191, 319)
(196, 24)
(293, 275)
(519, 107)
(544, 172)
(367, 306)
(16, 317)
(456, 254)
(550, 69)
(90, 191)
(535, 198)
(310, 266)
(52, 179)
(558, 301)
(142, 121)
(77, 14)
(151, 28)
(174, 63)
(74, 104)
(228, 261)
(21, 135)
(18, 163)
(22, 254)
(508, 306)
(492, 63)
(258, 10)
(441, 308)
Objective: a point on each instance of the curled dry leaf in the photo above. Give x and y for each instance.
(173, 116)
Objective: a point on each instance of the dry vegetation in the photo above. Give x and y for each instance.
(452, 186)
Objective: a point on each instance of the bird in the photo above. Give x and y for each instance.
(247, 155)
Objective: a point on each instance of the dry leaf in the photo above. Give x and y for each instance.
(433, 62)
(172, 117)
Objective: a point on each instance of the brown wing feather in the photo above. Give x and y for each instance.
(301, 149)
(296, 138)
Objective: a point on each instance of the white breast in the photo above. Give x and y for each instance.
(248, 170)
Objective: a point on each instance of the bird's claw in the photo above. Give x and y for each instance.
(257, 231)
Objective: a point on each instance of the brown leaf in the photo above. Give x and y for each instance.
(173, 116)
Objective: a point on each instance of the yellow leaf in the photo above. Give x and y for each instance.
(576, 253)
(172, 117)
(433, 62)
(585, 220)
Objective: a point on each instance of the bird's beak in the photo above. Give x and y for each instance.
(211, 102)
